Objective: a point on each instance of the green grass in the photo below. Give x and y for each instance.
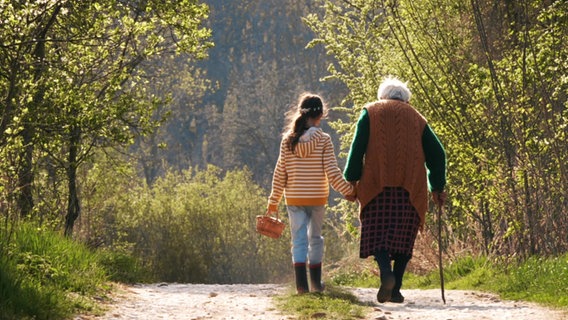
(20, 299)
(44, 275)
(541, 280)
(334, 303)
(123, 267)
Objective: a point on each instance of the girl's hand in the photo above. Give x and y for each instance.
(352, 197)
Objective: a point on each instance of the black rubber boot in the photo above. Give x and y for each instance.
(397, 297)
(315, 278)
(301, 278)
(387, 277)
(400, 262)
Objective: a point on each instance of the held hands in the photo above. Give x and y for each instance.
(352, 197)
(439, 198)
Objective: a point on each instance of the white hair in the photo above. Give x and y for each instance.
(392, 88)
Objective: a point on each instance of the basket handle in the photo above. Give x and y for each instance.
(270, 213)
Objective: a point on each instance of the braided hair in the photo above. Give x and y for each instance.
(310, 106)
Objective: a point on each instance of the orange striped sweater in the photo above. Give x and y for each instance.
(303, 176)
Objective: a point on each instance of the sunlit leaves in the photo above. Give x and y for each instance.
(199, 227)
(497, 107)
(78, 67)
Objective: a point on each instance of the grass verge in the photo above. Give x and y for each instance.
(334, 303)
(540, 280)
(44, 275)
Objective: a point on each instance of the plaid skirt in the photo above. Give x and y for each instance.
(389, 222)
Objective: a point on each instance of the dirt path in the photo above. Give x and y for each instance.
(197, 302)
(460, 305)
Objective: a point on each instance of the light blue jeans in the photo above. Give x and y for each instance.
(305, 227)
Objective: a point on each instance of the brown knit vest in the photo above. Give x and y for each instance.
(394, 155)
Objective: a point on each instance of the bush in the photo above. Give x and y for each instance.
(122, 267)
(200, 228)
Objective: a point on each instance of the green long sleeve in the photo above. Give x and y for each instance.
(354, 165)
(435, 157)
(434, 153)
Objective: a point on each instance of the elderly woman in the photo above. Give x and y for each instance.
(392, 146)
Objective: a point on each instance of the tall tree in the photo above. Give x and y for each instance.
(485, 73)
(88, 86)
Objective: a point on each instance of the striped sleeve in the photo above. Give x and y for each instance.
(332, 170)
(279, 180)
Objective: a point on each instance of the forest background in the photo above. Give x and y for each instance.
(152, 129)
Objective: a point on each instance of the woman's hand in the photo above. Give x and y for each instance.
(351, 197)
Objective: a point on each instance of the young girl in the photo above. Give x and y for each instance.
(305, 168)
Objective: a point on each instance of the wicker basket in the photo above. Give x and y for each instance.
(269, 226)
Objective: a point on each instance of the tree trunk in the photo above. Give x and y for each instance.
(25, 174)
(73, 206)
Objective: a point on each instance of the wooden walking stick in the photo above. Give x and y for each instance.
(440, 251)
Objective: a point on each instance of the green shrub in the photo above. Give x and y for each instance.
(123, 267)
(201, 228)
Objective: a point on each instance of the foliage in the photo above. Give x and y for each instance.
(485, 74)
(73, 80)
(199, 228)
(121, 266)
(44, 276)
(168, 225)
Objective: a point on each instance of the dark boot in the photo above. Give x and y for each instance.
(301, 278)
(387, 277)
(315, 278)
(397, 297)
(400, 262)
